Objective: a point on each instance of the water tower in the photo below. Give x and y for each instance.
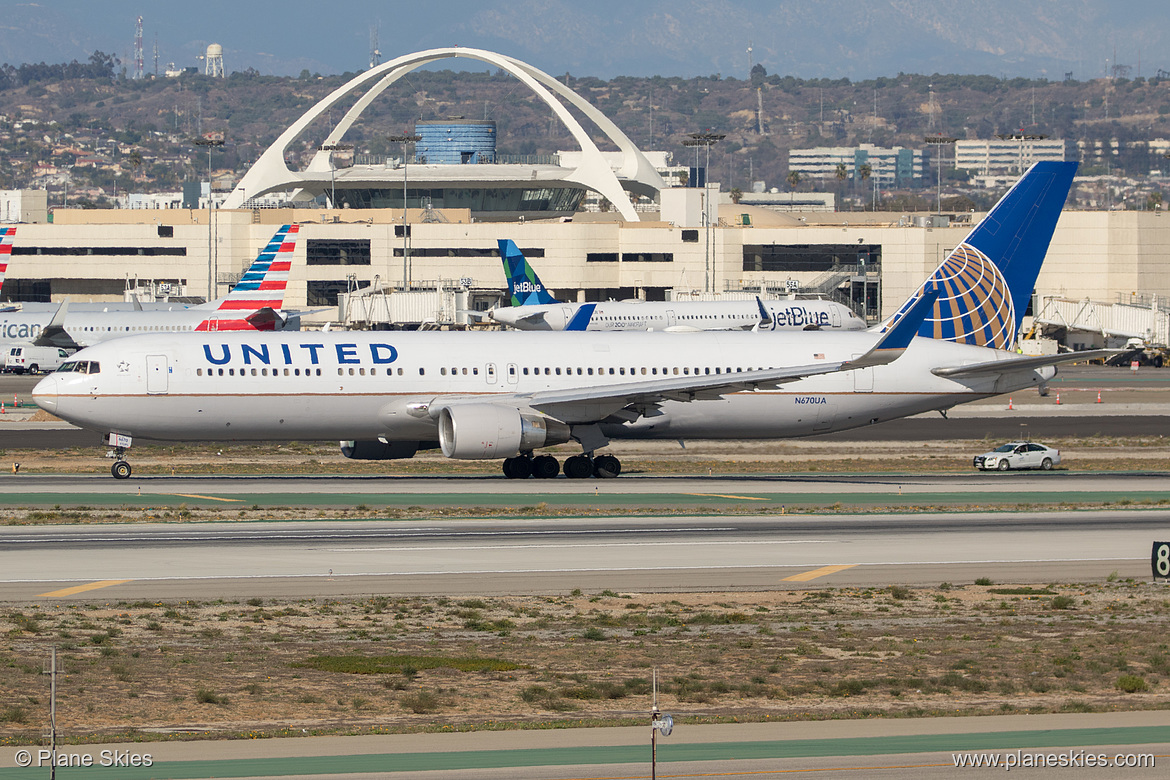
(214, 66)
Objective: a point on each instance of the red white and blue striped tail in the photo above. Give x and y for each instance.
(261, 288)
(6, 236)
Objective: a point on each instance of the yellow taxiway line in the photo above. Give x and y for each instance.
(821, 572)
(720, 495)
(206, 498)
(81, 588)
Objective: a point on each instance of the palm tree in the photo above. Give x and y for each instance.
(865, 170)
(736, 193)
(793, 180)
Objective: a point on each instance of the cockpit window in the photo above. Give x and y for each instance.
(79, 367)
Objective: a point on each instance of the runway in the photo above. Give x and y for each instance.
(234, 560)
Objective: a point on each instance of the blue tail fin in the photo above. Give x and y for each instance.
(985, 283)
(523, 282)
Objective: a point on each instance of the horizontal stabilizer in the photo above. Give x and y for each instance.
(1021, 363)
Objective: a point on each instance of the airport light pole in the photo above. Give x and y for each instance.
(212, 260)
(939, 141)
(331, 148)
(706, 139)
(404, 139)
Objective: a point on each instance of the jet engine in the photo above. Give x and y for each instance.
(379, 449)
(484, 431)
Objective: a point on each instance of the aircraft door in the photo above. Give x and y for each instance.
(836, 317)
(670, 318)
(489, 373)
(157, 372)
(826, 414)
(862, 378)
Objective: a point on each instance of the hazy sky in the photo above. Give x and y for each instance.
(604, 38)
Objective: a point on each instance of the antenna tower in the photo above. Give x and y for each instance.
(138, 48)
(156, 55)
(760, 111)
(930, 109)
(375, 52)
(749, 53)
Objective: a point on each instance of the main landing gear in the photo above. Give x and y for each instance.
(584, 466)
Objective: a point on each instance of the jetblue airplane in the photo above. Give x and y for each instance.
(503, 395)
(533, 308)
(253, 304)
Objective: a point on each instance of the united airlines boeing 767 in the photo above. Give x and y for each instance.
(507, 395)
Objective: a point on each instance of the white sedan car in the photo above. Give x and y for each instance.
(1018, 455)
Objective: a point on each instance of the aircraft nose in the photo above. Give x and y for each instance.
(45, 393)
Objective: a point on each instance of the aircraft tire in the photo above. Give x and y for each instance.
(578, 467)
(606, 466)
(545, 467)
(120, 469)
(520, 467)
(1004, 465)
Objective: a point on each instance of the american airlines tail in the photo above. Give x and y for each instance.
(523, 283)
(985, 283)
(6, 236)
(254, 301)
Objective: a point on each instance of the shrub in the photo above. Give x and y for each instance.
(205, 696)
(593, 633)
(1063, 602)
(1131, 683)
(984, 581)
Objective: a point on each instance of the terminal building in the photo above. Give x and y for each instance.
(650, 239)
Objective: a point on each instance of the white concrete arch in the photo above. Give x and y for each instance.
(271, 173)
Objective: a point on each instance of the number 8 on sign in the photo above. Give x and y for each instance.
(1160, 560)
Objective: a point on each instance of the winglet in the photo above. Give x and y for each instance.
(765, 317)
(900, 333)
(54, 334)
(523, 283)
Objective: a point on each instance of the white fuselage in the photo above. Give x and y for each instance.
(320, 386)
(680, 315)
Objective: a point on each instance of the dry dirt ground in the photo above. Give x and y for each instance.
(381, 664)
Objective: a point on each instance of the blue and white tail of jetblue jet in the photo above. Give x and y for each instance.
(985, 283)
(523, 283)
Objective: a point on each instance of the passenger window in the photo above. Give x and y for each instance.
(253, 372)
(361, 371)
(590, 372)
(198, 371)
(422, 372)
(558, 370)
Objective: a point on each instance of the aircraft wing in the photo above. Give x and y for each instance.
(631, 401)
(641, 399)
(1021, 364)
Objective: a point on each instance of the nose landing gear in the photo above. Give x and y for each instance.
(119, 443)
